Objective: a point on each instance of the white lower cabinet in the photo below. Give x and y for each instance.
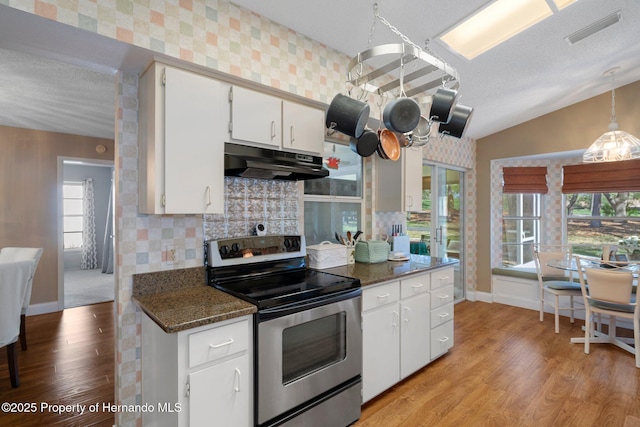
(198, 377)
(403, 328)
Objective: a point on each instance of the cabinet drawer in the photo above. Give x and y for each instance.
(442, 315)
(380, 295)
(217, 343)
(414, 285)
(441, 339)
(441, 297)
(441, 278)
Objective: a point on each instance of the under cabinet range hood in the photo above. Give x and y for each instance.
(262, 163)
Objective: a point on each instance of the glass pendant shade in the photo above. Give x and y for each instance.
(614, 145)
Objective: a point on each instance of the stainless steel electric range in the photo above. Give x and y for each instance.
(307, 331)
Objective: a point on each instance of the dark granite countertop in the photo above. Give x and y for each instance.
(178, 300)
(370, 274)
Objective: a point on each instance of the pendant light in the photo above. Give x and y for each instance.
(616, 144)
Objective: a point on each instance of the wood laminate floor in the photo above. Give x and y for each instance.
(505, 369)
(509, 369)
(69, 361)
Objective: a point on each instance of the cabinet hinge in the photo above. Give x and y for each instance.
(187, 389)
(164, 76)
(164, 200)
(230, 126)
(230, 94)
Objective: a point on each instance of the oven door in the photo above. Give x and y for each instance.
(304, 354)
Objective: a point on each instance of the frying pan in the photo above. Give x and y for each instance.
(366, 145)
(389, 145)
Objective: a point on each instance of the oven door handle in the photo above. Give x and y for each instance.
(285, 310)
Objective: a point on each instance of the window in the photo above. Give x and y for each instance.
(596, 219)
(520, 227)
(334, 204)
(72, 214)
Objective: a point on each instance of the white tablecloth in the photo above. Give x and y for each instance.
(14, 277)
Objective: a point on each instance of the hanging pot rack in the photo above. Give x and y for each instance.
(387, 68)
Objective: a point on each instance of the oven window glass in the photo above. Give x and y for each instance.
(311, 346)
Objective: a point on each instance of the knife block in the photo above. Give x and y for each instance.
(401, 244)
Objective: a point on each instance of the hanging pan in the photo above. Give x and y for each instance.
(458, 123)
(402, 114)
(443, 101)
(366, 145)
(347, 115)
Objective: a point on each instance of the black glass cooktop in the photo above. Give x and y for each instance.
(281, 288)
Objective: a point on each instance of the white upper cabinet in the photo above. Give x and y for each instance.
(302, 128)
(267, 121)
(256, 117)
(400, 182)
(181, 167)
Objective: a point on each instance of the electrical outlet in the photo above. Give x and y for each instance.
(171, 255)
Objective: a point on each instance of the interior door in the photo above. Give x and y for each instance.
(443, 220)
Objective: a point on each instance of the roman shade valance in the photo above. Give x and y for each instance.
(530, 179)
(606, 177)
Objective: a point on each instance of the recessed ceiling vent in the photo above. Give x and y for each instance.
(597, 26)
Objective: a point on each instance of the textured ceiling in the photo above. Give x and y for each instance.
(530, 75)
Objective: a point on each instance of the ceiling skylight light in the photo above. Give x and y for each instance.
(496, 23)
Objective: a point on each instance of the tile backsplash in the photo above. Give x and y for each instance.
(249, 201)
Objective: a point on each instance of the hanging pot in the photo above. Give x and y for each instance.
(401, 115)
(459, 120)
(443, 101)
(389, 145)
(347, 115)
(366, 145)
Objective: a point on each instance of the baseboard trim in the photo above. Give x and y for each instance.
(43, 308)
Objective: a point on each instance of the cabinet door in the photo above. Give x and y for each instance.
(302, 128)
(194, 161)
(412, 184)
(414, 341)
(220, 394)
(380, 350)
(256, 117)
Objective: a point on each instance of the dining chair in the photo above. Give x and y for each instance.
(554, 281)
(13, 254)
(609, 292)
(14, 277)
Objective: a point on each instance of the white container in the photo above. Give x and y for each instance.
(401, 244)
(327, 255)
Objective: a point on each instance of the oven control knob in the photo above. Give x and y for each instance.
(295, 242)
(287, 243)
(235, 247)
(224, 250)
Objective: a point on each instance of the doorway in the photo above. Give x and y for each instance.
(441, 223)
(86, 241)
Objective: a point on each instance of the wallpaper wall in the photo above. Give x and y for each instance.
(221, 36)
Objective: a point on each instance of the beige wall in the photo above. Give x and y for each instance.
(28, 194)
(571, 128)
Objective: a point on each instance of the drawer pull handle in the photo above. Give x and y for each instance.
(445, 296)
(383, 296)
(229, 342)
(444, 339)
(419, 285)
(443, 315)
(442, 278)
(237, 387)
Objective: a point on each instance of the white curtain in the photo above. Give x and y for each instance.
(89, 250)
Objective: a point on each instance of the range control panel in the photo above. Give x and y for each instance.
(255, 246)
